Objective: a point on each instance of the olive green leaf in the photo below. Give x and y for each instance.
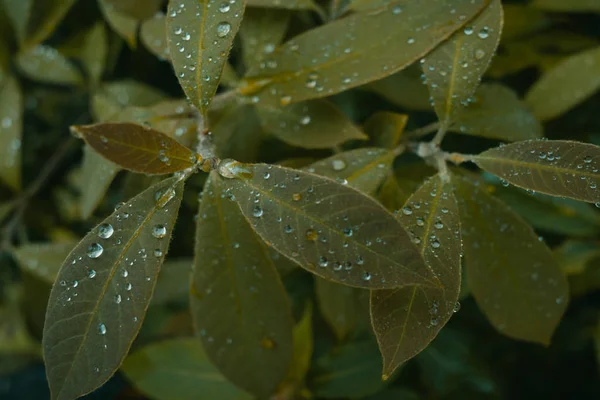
(15, 338)
(356, 50)
(454, 69)
(11, 126)
(385, 128)
(406, 320)
(404, 89)
(364, 169)
(390, 195)
(573, 256)
(100, 296)
(153, 34)
(115, 96)
(43, 259)
(178, 370)
(261, 32)
(94, 52)
(97, 173)
(173, 281)
(497, 113)
(239, 306)
(137, 9)
(137, 148)
(512, 274)
(237, 133)
(567, 6)
(350, 370)
(328, 228)
(200, 35)
(554, 167)
(567, 84)
(46, 64)
(521, 20)
(123, 24)
(286, 4)
(343, 307)
(18, 13)
(316, 124)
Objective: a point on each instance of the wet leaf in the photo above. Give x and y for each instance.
(11, 126)
(554, 167)
(173, 282)
(404, 89)
(43, 259)
(45, 64)
(406, 320)
(115, 96)
(497, 113)
(573, 256)
(385, 128)
(18, 13)
(364, 169)
(237, 133)
(287, 4)
(200, 35)
(137, 9)
(137, 148)
(390, 195)
(98, 302)
(454, 69)
(343, 307)
(349, 56)
(97, 173)
(94, 53)
(316, 124)
(153, 34)
(178, 370)
(569, 83)
(238, 303)
(512, 274)
(123, 24)
(327, 228)
(261, 32)
(567, 6)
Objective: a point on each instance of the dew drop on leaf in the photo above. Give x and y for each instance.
(92, 273)
(223, 29)
(159, 231)
(102, 329)
(95, 250)
(105, 231)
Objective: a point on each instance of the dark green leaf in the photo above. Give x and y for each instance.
(173, 282)
(45, 64)
(238, 303)
(43, 260)
(137, 9)
(343, 307)
(153, 34)
(404, 89)
(573, 256)
(11, 126)
(555, 167)
(326, 227)
(289, 4)
(512, 274)
(406, 320)
(237, 133)
(19, 13)
(385, 128)
(261, 32)
(352, 51)
(94, 52)
(521, 20)
(100, 296)
(303, 350)
(123, 24)
(97, 173)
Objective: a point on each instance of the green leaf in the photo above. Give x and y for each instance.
(316, 124)
(18, 13)
(302, 353)
(97, 173)
(287, 4)
(497, 113)
(454, 69)
(153, 34)
(326, 227)
(261, 32)
(117, 95)
(554, 167)
(136, 9)
(45, 64)
(522, 20)
(43, 259)
(124, 25)
(406, 320)
(386, 128)
(569, 83)
(567, 6)
(11, 127)
(239, 306)
(137, 148)
(237, 133)
(200, 36)
(343, 307)
(173, 282)
(178, 370)
(404, 89)
(512, 274)
(356, 50)
(94, 52)
(364, 169)
(350, 370)
(573, 256)
(103, 289)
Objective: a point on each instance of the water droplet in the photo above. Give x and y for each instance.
(338, 165)
(267, 175)
(410, 40)
(91, 274)
(163, 196)
(305, 120)
(159, 231)
(348, 232)
(456, 307)
(118, 299)
(297, 197)
(484, 33)
(479, 54)
(102, 329)
(128, 286)
(407, 210)
(75, 284)
(224, 7)
(434, 322)
(468, 30)
(438, 225)
(223, 29)
(288, 229)
(366, 276)
(158, 253)
(420, 222)
(125, 273)
(95, 250)
(105, 231)
(323, 262)
(396, 10)
(587, 159)
(311, 235)
(435, 244)
(257, 212)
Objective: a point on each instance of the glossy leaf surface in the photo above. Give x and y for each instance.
(239, 306)
(328, 228)
(404, 88)
(45, 64)
(261, 32)
(512, 274)
(316, 124)
(99, 299)
(406, 320)
(11, 126)
(355, 50)
(453, 70)
(153, 34)
(200, 35)
(554, 167)
(137, 148)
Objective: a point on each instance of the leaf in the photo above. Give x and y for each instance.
(349, 371)
(364, 169)
(303, 347)
(123, 24)
(327, 228)
(237, 133)
(153, 34)
(287, 4)
(178, 369)
(573, 256)
(570, 6)
(343, 307)
(43, 260)
(497, 113)
(316, 124)
(95, 52)
(554, 167)
(239, 306)
(103, 289)
(261, 32)
(404, 89)
(200, 36)
(512, 274)
(18, 13)
(11, 127)
(121, 94)
(173, 282)
(522, 20)
(136, 9)
(569, 83)
(454, 69)
(406, 320)
(45, 64)
(137, 148)
(385, 128)
(356, 50)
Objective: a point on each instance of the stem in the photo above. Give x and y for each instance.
(333, 9)
(439, 136)
(423, 131)
(458, 158)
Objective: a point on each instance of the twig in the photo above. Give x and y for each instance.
(439, 136)
(423, 131)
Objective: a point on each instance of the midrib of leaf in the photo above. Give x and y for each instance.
(200, 56)
(452, 82)
(401, 339)
(368, 167)
(540, 167)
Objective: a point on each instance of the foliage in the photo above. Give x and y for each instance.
(246, 216)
